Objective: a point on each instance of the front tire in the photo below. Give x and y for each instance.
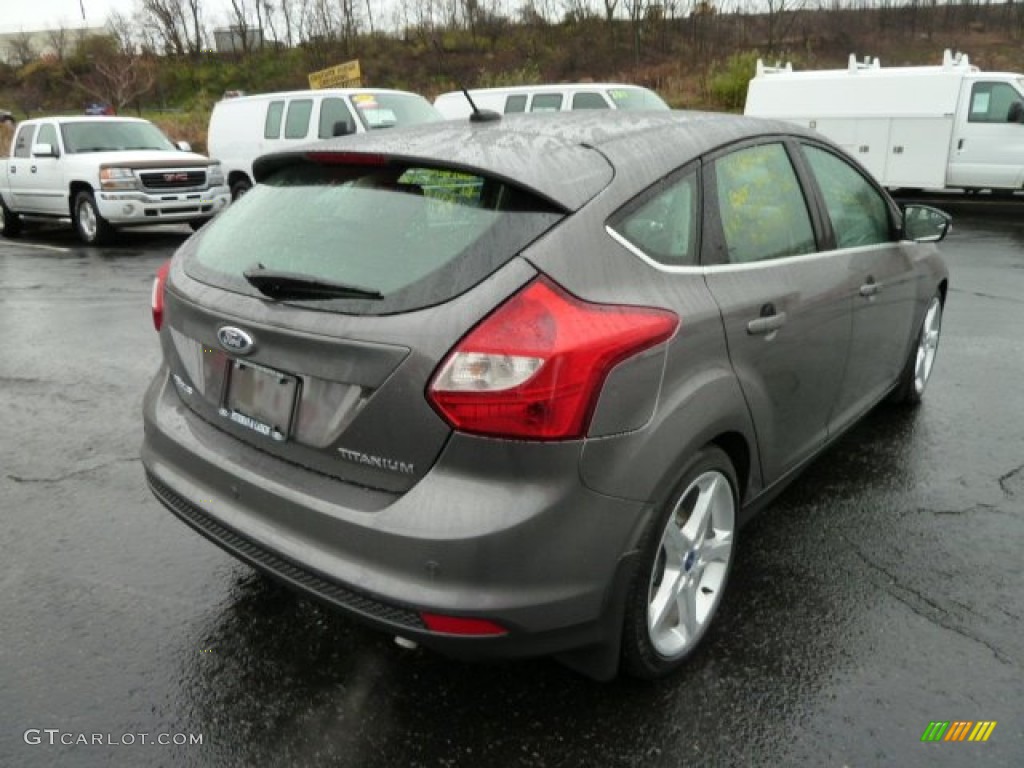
(10, 222)
(197, 224)
(92, 228)
(684, 567)
(918, 368)
(239, 188)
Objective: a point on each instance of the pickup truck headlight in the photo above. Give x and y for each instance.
(215, 175)
(117, 178)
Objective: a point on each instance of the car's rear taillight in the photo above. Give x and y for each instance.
(533, 369)
(157, 300)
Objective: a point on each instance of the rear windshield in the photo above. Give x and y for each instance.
(417, 236)
(386, 110)
(636, 98)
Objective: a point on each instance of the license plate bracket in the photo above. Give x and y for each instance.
(261, 399)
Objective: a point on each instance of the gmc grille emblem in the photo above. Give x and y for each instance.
(175, 177)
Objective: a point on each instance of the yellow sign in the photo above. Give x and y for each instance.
(345, 75)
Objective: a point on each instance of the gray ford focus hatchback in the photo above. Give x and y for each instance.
(509, 387)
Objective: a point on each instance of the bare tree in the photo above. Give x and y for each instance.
(59, 40)
(117, 80)
(23, 52)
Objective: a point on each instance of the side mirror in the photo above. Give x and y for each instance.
(1015, 114)
(184, 146)
(924, 224)
(341, 128)
(44, 150)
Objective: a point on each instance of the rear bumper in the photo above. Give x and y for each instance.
(134, 207)
(526, 546)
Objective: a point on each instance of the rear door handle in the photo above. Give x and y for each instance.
(766, 324)
(960, 144)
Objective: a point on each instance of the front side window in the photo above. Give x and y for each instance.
(761, 205)
(586, 100)
(993, 103)
(296, 125)
(335, 119)
(859, 214)
(47, 135)
(272, 126)
(546, 102)
(23, 142)
(663, 223)
(415, 235)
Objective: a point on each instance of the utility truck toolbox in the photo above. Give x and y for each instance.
(103, 173)
(933, 127)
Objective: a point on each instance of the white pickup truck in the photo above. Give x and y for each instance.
(103, 173)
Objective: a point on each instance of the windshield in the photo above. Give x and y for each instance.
(113, 136)
(636, 99)
(386, 110)
(410, 236)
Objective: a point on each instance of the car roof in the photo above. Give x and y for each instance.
(323, 92)
(88, 119)
(550, 88)
(583, 151)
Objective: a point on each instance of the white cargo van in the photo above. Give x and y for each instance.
(243, 128)
(934, 127)
(549, 98)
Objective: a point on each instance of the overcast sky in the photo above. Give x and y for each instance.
(27, 15)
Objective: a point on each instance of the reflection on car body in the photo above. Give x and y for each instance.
(532, 374)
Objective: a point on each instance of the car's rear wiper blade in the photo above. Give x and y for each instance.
(292, 285)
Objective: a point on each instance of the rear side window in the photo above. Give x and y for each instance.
(296, 125)
(761, 205)
(23, 142)
(272, 126)
(663, 222)
(546, 102)
(335, 119)
(416, 235)
(516, 103)
(589, 101)
(859, 214)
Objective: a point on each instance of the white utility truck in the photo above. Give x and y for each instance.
(103, 173)
(933, 127)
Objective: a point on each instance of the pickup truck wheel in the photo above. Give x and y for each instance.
(197, 224)
(239, 188)
(92, 228)
(10, 222)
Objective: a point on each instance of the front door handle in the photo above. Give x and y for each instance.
(33, 169)
(869, 289)
(960, 144)
(766, 323)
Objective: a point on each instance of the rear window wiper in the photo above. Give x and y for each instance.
(292, 285)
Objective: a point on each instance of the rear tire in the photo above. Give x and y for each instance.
(918, 368)
(686, 556)
(10, 222)
(92, 228)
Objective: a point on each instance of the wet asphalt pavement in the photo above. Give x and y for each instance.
(882, 591)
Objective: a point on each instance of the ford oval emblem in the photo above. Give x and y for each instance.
(235, 340)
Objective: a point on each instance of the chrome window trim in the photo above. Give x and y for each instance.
(715, 268)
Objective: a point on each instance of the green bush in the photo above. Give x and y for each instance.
(729, 86)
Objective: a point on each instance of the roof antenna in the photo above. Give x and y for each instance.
(480, 115)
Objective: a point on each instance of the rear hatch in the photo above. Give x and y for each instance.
(308, 319)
